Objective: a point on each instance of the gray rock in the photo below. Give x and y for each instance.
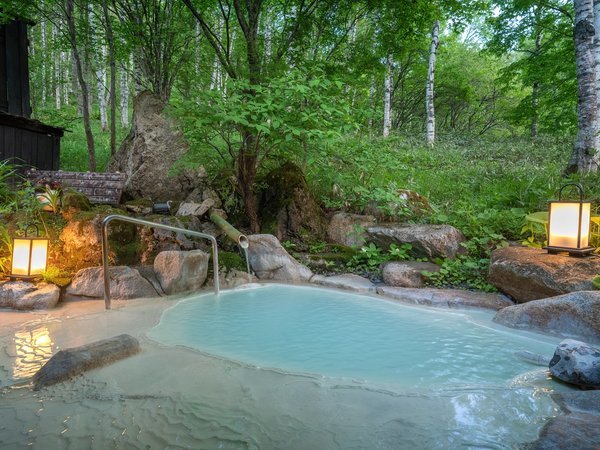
(349, 229)
(270, 261)
(149, 152)
(578, 401)
(570, 315)
(529, 273)
(428, 241)
(574, 431)
(232, 279)
(577, 363)
(74, 361)
(156, 240)
(406, 273)
(348, 281)
(445, 298)
(24, 295)
(195, 209)
(181, 271)
(125, 283)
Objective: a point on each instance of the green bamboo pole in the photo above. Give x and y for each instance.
(233, 234)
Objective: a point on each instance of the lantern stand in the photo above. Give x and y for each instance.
(569, 225)
(29, 255)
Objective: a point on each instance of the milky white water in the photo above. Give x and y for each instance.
(280, 367)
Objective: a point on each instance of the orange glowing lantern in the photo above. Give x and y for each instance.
(29, 256)
(569, 224)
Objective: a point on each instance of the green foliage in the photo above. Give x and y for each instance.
(596, 282)
(5, 249)
(464, 271)
(370, 257)
(231, 260)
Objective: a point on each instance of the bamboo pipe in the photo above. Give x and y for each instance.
(233, 234)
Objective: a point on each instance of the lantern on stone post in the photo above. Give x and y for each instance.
(569, 224)
(29, 255)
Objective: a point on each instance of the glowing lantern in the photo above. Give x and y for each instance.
(569, 225)
(29, 256)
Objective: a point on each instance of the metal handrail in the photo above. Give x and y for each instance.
(108, 219)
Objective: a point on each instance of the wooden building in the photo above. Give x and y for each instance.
(24, 141)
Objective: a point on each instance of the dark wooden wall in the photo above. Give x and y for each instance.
(29, 143)
(14, 69)
(23, 141)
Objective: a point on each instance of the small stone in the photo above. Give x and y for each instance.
(195, 209)
(577, 363)
(427, 241)
(406, 273)
(348, 281)
(179, 271)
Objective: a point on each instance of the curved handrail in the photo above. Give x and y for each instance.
(108, 219)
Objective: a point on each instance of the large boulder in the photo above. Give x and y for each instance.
(181, 271)
(428, 241)
(576, 362)
(579, 431)
(288, 208)
(125, 283)
(445, 298)
(24, 295)
(407, 273)
(81, 240)
(149, 152)
(529, 273)
(270, 261)
(348, 229)
(570, 315)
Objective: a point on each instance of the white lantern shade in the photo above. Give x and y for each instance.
(29, 257)
(569, 224)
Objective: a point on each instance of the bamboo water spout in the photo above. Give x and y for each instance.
(233, 234)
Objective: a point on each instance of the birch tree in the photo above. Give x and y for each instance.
(585, 156)
(387, 97)
(429, 94)
(110, 39)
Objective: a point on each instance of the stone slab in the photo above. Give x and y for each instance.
(445, 298)
(348, 281)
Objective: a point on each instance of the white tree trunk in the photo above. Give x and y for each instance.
(596, 12)
(44, 46)
(585, 156)
(429, 92)
(56, 71)
(124, 99)
(387, 98)
(101, 87)
(64, 59)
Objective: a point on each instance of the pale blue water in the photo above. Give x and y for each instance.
(338, 334)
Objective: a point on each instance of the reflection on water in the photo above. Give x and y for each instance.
(32, 349)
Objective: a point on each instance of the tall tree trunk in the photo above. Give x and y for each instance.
(429, 92)
(371, 103)
(64, 59)
(596, 11)
(101, 87)
(585, 156)
(124, 97)
(387, 97)
(56, 61)
(75, 84)
(43, 59)
(535, 100)
(82, 84)
(110, 39)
